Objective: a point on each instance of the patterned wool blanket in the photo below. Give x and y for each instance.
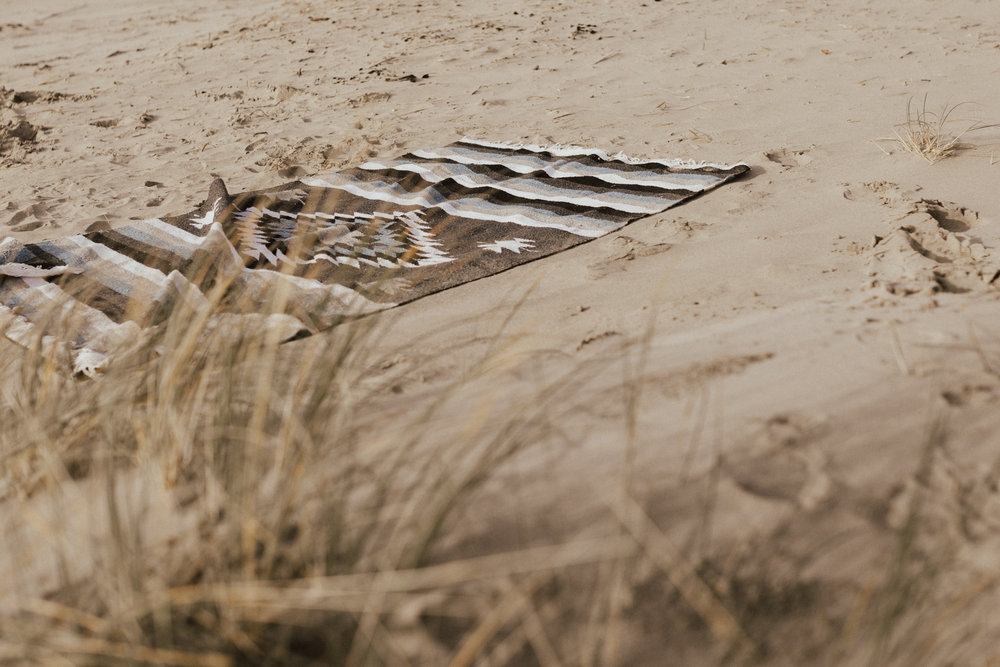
(348, 243)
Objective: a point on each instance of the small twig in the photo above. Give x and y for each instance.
(700, 135)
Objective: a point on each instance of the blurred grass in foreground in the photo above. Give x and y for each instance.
(214, 498)
(209, 500)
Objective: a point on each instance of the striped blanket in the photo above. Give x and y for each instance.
(338, 245)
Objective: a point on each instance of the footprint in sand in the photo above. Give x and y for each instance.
(28, 218)
(789, 158)
(972, 394)
(680, 227)
(931, 248)
(953, 218)
(626, 250)
(17, 134)
(883, 192)
(783, 464)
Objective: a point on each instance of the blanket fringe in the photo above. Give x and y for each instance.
(568, 150)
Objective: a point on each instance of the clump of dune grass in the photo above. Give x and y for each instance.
(212, 499)
(219, 497)
(932, 135)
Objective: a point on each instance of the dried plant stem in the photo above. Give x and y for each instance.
(682, 575)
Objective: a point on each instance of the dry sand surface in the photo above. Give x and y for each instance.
(797, 375)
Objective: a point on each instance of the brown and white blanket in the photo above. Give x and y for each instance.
(343, 244)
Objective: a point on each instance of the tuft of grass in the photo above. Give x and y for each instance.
(217, 497)
(932, 135)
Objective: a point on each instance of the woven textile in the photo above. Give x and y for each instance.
(342, 244)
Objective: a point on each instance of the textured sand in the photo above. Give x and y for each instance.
(790, 365)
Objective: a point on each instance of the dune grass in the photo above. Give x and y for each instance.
(210, 499)
(932, 135)
(219, 497)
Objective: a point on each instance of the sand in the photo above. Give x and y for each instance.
(791, 341)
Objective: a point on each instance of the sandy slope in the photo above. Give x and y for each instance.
(793, 367)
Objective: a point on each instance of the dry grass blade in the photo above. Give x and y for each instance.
(294, 594)
(898, 592)
(682, 575)
(944, 619)
(63, 614)
(515, 602)
(100, 648)
(539, 640)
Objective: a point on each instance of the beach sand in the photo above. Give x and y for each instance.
(789, 373)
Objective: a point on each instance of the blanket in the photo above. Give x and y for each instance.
(339, 245)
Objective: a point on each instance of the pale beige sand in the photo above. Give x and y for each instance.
(793, 369)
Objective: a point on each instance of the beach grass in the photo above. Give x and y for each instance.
(217, 496)
(210, 498)
(933, 135)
